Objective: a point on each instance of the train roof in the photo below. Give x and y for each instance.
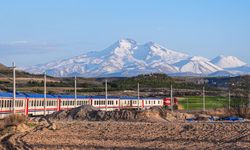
(35, 95)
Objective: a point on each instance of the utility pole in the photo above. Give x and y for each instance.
(138, 95)
(171, 95)
(204, 100)
(106, 94)
(45, 92)
(229, 100)
(75, 93)
(14, 87)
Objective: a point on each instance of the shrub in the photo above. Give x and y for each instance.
(14, 120)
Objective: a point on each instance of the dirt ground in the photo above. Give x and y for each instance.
(135, 135)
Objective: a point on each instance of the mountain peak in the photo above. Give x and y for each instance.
(227, 61)
(126, 43)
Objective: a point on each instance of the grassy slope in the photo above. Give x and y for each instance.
(196, 102)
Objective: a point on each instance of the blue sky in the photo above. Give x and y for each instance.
(34, 32)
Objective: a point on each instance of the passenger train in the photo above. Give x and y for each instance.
(33, 104)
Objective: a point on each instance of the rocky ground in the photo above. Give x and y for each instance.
(135, 135)
(85, 128)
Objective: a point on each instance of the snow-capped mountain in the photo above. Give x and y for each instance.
(128, 58)
(227, 61)
(198, 65)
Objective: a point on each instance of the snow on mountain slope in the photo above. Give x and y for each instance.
(227, 61)
(152, 52)
(123, 56)
(128, 58)
(198, 65)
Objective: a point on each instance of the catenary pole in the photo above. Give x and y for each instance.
(75, 92)
(138, 95)
(45, 93)
(106, 94)
(171, 98)
(204, 99)
(229, 100)
(14, 87)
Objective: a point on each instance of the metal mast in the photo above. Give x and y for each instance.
(75, 93)
(14, 87)
(229, 99)
(171, 95)
(106, 94)
(138, 95)
(204, 99)
(45, 92)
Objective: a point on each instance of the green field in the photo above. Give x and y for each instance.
(196, 102)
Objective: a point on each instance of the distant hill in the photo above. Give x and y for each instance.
(150, 84)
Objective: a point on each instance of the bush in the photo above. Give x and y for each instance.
(14, 120)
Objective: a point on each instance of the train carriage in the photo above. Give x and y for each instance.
(7, 105)
(33, 104)
(150, 102)
(36, 104)
(100, 102)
